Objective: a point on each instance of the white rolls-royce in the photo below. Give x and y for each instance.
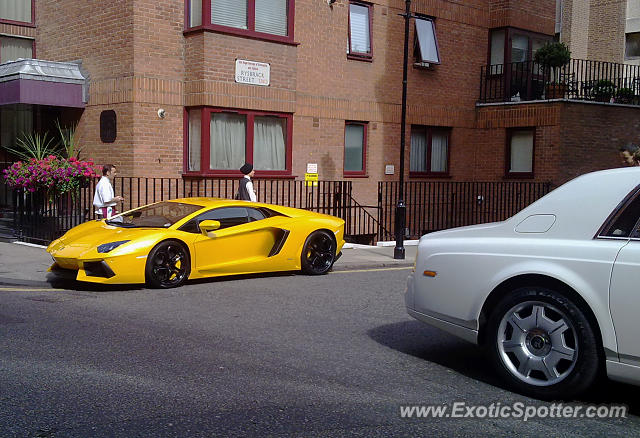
(553, 292)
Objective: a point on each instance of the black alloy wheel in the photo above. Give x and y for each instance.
(168, 265)
(318, 253)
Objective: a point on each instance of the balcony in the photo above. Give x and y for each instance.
(578, 80)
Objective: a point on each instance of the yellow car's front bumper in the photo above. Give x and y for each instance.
(109, 270)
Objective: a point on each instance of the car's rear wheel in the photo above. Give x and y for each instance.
(168, 265)
(543, 344)
(318, 253)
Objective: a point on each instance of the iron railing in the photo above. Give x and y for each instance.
(435, 205)
(580, 79)
(40, 218)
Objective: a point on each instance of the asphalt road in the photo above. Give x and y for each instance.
(284, 356)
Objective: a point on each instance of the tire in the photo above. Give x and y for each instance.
(542, 344)
(168, 265)
(318, 253)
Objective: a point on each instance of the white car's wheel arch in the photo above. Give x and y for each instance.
(546, 281)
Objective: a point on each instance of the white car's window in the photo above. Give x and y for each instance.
(625, 222)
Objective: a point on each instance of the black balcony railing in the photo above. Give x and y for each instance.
(579, 79)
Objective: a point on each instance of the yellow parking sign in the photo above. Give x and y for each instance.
(311, 179)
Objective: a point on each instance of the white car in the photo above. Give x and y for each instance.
(553, 292)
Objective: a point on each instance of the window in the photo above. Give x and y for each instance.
(227, 216)
(16, 11)
(520, 47)
(632, 45)
(14, 48)
(624, 221)
(520, 152)
(264, 19)
(355, 148)
(426, 46)
(234, 137)
(360, 30)
(429, 151)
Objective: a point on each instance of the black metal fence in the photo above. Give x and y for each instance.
(580, 79)
(434, 205)
(40, 218)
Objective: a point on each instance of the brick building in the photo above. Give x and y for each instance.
(192, 88)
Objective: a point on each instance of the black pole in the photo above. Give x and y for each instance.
(401, 208)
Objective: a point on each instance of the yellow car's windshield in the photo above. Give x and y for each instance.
(159, 215)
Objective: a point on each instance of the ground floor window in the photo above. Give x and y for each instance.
(355, 148)
(429, 151)
(15, 121)
(520, 144)
(219, 141)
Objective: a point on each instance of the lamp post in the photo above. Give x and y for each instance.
(401, 208)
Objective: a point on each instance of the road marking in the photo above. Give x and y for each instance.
(27, 289)
(370, 270)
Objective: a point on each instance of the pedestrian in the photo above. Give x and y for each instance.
(245, 190)
(104, 199)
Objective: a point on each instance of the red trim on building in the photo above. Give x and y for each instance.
(356, 173)
(507, 163)
(247, 33)
(361, 56)
(250, 117)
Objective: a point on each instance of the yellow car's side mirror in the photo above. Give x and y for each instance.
(208, 226)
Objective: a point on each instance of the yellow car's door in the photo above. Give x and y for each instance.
(240, 245)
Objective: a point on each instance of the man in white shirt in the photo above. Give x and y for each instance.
(104, 199)
(245, 190)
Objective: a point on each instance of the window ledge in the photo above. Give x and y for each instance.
(230, 174)
(362, 175)
(243, 33)
(17, 23)
(429, 175)
(519, 175)
(365, 58)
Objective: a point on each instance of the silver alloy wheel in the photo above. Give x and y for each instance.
(537, 343)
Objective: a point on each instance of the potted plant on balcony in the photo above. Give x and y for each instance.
(625, 95)
(603, 90)
(552, 56)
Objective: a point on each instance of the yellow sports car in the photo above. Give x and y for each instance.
(168, 242)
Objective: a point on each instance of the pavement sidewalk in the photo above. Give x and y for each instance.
(23, 264)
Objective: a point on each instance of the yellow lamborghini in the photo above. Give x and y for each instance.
(168, 242)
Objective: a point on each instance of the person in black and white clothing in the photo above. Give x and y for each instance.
(245, 190)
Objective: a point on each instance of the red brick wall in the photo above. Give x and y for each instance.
(534, 15)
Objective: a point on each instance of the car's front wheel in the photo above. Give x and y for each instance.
(543, 344)
(168, 265)
(318, 253)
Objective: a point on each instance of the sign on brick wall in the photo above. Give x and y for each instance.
(251, 72)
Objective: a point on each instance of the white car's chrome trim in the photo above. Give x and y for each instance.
(623, 372)
(454, 329)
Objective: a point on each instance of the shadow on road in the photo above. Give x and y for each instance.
(428, 343)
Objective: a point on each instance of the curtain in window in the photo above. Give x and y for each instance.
(15, 121)
(519, 48)
(521, 151)
(271, 16)
(359, 19)
(195, 116)
(269, 143)
(353, 147)
(427, 40)
(195, 13)
(439, 147)
(16, 10)
(231, 13)
(227, 141)
(418, 152)
(14, 48)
